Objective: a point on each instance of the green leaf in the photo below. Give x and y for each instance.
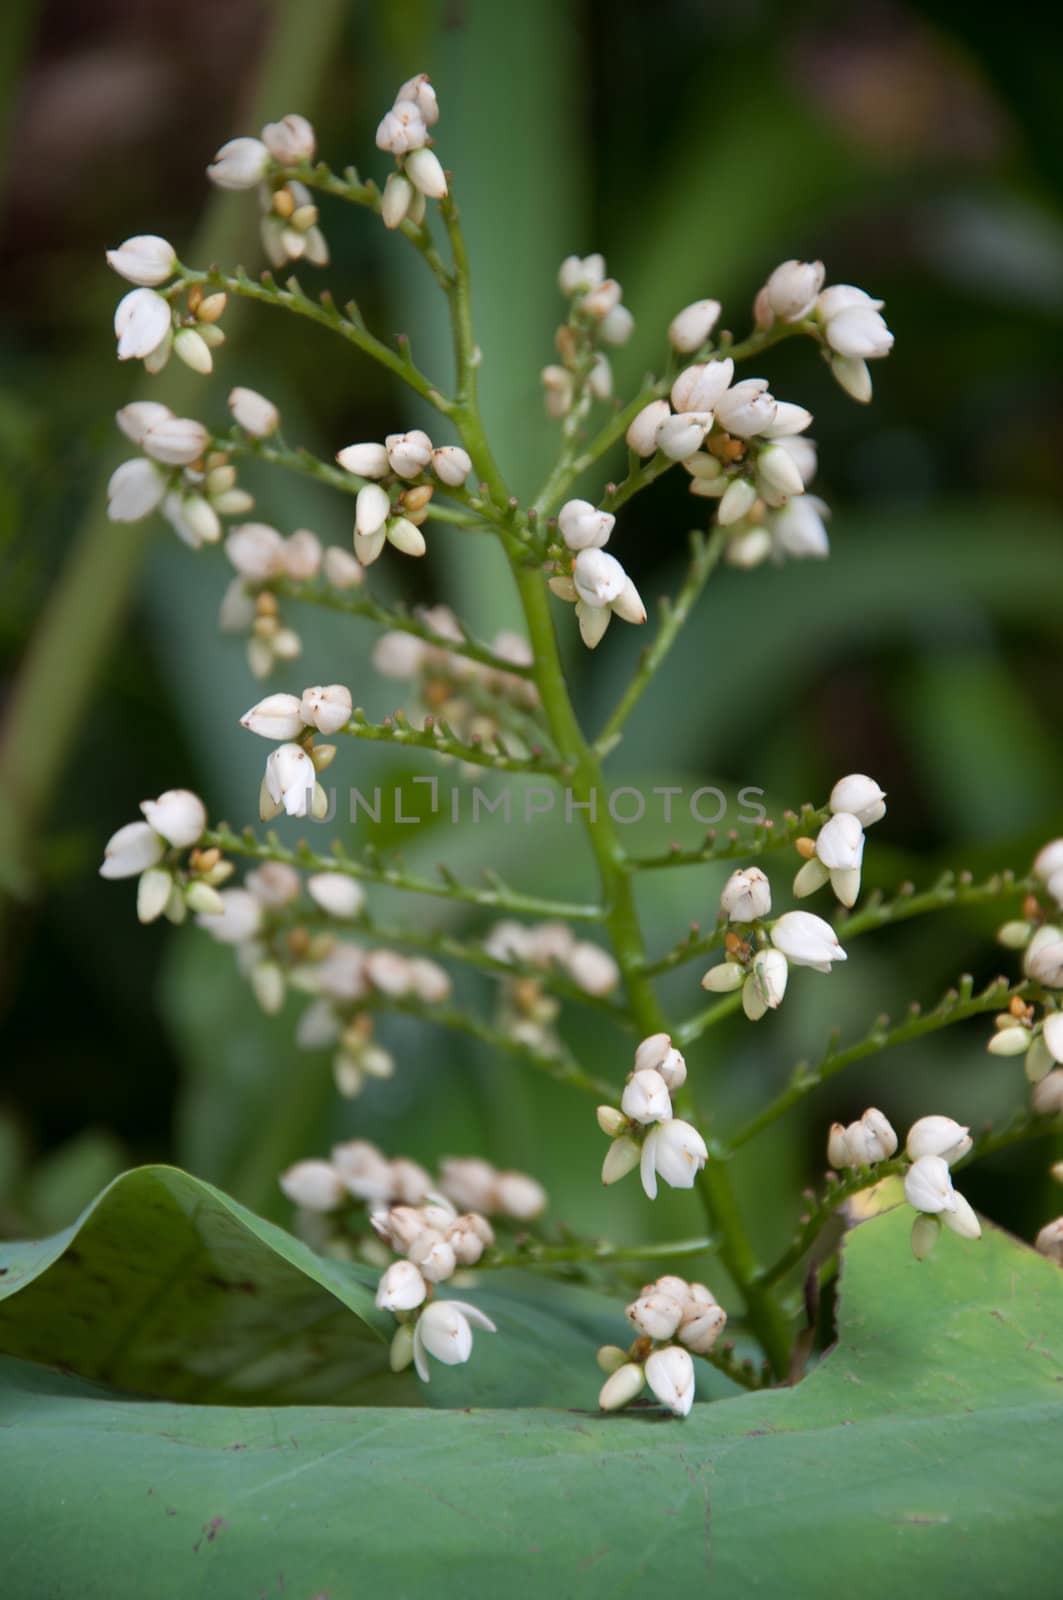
(928, 1445)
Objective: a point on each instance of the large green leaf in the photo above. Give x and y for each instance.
(928, 1445)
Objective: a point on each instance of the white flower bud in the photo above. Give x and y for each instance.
(138, 416)
(278, 716)
(592, 968)
(753, 1002)
(558, 390)
(656, 1314)
(238, 921)
(388, 972)
(175, 441)
(425, 172)
(807, 940)
(408, 453)
(689, 328)
(583, 526)
(314, 1186)
(578, 275)
(670, 1374)
(443, 1330)
(418, 91)
(254, 413)
(401, 1288)
(134, 490)
(840, 842)
(621, 1387)
(406, 536)
(623, 1156)
(193, 349)
(839, 1154)
(402, 129)
(928, 1185)
(746, 408)
(469, 1182)
(798, 529)
(961, 1218)
(142, 322)
(938, 1136)
(859, 334)
(600, 378)
(645, 1098)
(342, 569)
(178, 815)
(617, 326)
(853, 376)
(812, 876)
(599, 577)
(610, 1120)
(658, 1054)
(256, 551)
(746, 895)
(327, 709)
(778, 477)
(239, 164)
(1048, 860)
(372, 508)
(700, 387)
(1047, 1096)
(924, 1236)
(336, 893)
(674, 1150)
(467, 1241)
(154, 888)
(131, 851)
(519, 1196)
(396, 200)
(881, 1133)
(748, 550)
(365, 460)
(789, 420)
(1039, 1061)
(701, 1327)
(1044, 958)
(433, 1256)
(768, 978)
(291, 140)
(725, 978)
(291, 779)
(203, 897)
(1049, 1241)
(451, 464)
(628, 604)
(145, 259)
(736, 502)
(861, 796)
(274, 883)
(1052, 1033)
(681, 436)
(792, 288)
(642, 431)
(611, 1358)
(1010, 1041)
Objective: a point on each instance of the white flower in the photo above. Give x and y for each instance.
(658, 1054)
(1049, 860)
(468, 1237)
(621, 1387)
(178, 815)
(253, 412)
(656, 1314)
(747, 408)
(616, 326)
(674, 1150)
(746, 895)
(142, 323)
(1052, 1033)
(725, 978)
(690, 327)
(401, 1288)
(175, 441)
(646, 1098)
(599, 578)
(792, 288)
(342, 569)
(1047, 1096)
(134, 490)
(430, 981)
(443, 1330)
(928, 1185)
(518, 1195)
(327, 709)
(592, 968)
(237, 922)
(961, 1218)
(192, 348)
(291, 140)
(778, 476)
(278, 716)
(938, 1136)
(578, 275)
(239, 164)
(131, 851)
(256, 551)
(290, 779)
(408, 453)
(623, 1156)
(861, 796)
(861, 1143)
(682, 436)
(1044, 958)
(336, 893)
(642, 432)
(425, 171)
(807, 940)
(274, 883)
(433, 1256)
(583, 526)
(418, 91)
(313, 1186)
(798, 530)
(853, 376)
(365, 460)
(1049, 1241)
(138, 416)
(859, 333)
(145, 259)
(469, 1182)
(736, 502)
(402, 129)
(1010, 1040)
(700, 387)
(840, 849)
(765, 987)
(703, 1321)
(451, 464)
(670, 1374)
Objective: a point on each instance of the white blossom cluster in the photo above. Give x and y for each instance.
(432, 1241)
(589, 577)
(597, 315)
(643, 1131)
(149, 326)
(290, 782)
(180, 473)
(526, 1010)
(1022, 1030)
(404, 132)
(384, 516)
(150, 851)
(672, 1319)
(836, 854)
(289, 226)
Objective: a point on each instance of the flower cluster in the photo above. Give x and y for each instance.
(526, 1010)
(355, 1171)
(597, 315)
(290, 783)
(179, 473)
(760, 965)
(149, 326)
(669, 1310)
(1020, 1030)
(151, 852)
(588, 577)
(643, 1131)
(836, 854)
(847, 320)
(260, 555)
(403, 131)
(393, 503)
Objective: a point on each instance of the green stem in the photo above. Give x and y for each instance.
(397, 731)
(534, 1254)
(765, 836)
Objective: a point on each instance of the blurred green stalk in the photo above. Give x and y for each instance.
(85, 610)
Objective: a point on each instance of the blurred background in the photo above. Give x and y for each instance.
(915, 149)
